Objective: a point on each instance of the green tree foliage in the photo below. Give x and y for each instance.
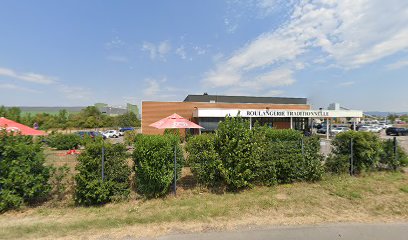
(367, 151)
(64, 141)
(23, 176)
(391, 160)
(154, 163)
(90, 188)
(89, 117)
(238, 157)
(128, 120)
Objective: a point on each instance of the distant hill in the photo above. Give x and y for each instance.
(384, 114)
(49, 110)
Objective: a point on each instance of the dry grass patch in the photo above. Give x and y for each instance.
(375, 197)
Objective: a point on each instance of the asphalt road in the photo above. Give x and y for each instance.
(395, 231)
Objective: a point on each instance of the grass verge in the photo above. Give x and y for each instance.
(375, 197)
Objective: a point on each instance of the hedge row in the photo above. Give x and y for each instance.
(91, 188)
(369, 153)
(23, 176)
(154, 163)
(236, 157)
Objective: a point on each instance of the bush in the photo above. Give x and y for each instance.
(389, 160)
(174, 131)
(204, 160)
(130, 137)
(237, 157)
(282, 150)
(338, 164)
(234, 145)
(367, 151)
(23, 176)
(154, 163)
(90, 188)
(64, 141)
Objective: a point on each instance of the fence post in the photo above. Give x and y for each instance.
(175, 170)
(303, 147)
(351, 156)
(103, 162)
(395, 153)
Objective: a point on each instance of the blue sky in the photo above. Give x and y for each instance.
(72, 53)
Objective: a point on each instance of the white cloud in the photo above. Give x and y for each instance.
(161, 50)
(28, 77)
(12, 87)
(274, 93)
(74, 92)
(114, 43)
(397, 65)
(160, 89)
(151, 48)
(346, 84)
(153, 87)
(181, 52)
(346, 33)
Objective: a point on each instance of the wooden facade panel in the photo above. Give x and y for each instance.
(154, 111)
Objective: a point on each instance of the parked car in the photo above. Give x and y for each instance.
(338, 130)
(322, 130)
(364, 128)
(111, 134)
(396, 131)
(385, 125)
(91, 134)
(125, 129)
(376, 128)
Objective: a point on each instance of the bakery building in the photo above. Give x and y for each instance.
(208, 110)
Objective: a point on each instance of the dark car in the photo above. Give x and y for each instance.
(397, 131)
(91, 134)
(124, 129)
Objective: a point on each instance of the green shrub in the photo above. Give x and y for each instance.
(367, 150)
(23, 176)
(388, 158)
(234, 145)
(90, 188)
(174, 131)
(130, 137)
(338, 164)
(64, 141)
(238, 157)
(204, 160)
(154, 163)
(282, 149)
(59, 181)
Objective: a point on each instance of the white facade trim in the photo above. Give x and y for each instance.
(274, 113)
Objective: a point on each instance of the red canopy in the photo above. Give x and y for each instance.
(12, 126)
(174, 121)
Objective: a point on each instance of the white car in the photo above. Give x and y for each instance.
(376, 128)
(338, 130)
(111, 134)
(385, 126)
(364, 129)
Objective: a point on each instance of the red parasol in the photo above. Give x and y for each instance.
(12, 126)
(174, 121)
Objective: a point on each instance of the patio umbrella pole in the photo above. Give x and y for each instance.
(175, 169)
